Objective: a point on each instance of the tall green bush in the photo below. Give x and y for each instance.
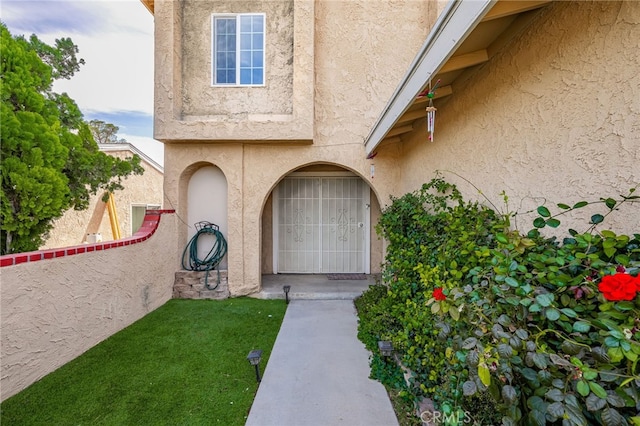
(506, 327)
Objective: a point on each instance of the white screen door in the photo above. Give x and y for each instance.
(322, 225)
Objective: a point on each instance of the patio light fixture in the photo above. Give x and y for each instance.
(254, 358)
(386, 348)
(286, 289)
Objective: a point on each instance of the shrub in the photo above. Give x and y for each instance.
(510, 327)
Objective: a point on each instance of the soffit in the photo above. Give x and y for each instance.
(148, 4)
(495, 25)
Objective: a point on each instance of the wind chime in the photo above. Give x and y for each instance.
(431, 111)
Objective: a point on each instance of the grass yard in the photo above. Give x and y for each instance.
(182, 364)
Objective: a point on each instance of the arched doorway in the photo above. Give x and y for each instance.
(321, 222)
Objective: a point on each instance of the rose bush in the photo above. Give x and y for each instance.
(515, 328)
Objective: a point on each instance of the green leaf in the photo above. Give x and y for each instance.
(502, 238)
(511, 282)
(589, 374)
(624, 305)
(611, 417)
(563, 206)
(615, 355)
(454, 313)
(544, 299)
(580, 204)
(509, 394)
(555, 395)
(529, 374)
(469, 343)
(539, 360)
(543, 211)
(622, 259)
(610, 202)
(583, 388)
(581, 326)
(552, 314)
(597, 390)
(556, 410)
(539, 222)
(469, 388)
(554, 223)
(537, 418)
(616, 400)
(597, 218)
(504, 350)
(594, 403)
(484, 374)
(569, 312)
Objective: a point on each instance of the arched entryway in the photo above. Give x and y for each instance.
(318, 220)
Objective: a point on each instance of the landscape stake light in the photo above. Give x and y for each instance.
(286, 289)
(386, 348)
(254, 358)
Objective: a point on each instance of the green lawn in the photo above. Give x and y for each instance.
(183, 364)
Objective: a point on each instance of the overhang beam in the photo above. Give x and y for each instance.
(453, 26)
(507, 8)
(464, 61)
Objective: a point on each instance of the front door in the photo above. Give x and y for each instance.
(322, 225)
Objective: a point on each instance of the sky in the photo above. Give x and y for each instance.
(115, 38)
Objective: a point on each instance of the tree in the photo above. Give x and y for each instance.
(50, 161)
(104, 132)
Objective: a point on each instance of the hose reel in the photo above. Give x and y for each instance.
(211, 261)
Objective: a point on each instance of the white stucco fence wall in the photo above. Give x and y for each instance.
(55, 309)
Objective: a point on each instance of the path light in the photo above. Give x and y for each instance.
(386, 348)
(254, 358)
(286, 289)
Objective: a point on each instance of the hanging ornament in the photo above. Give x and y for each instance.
(431, 111)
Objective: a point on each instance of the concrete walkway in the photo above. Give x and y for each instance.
(318, 372)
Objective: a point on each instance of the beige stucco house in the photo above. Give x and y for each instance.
(289, 123)
(97, 222)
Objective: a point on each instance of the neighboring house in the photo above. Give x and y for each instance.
(140, 193)
(289, 123)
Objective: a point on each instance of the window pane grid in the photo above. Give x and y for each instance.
(239, 49)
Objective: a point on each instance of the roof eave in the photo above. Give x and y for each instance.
(453, 26)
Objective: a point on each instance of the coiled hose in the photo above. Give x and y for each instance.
(212, 259)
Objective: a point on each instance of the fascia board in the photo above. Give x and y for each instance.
(453, 26)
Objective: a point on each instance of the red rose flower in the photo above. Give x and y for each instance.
(619, 287)
(438, 294)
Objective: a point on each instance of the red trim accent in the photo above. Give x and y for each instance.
(148, 228)
(6, 260)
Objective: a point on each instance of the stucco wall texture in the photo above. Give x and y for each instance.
(341, 78)
(56, 309)
(555, 116)
(72, 228)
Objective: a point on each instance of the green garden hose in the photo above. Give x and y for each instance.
(212, 259)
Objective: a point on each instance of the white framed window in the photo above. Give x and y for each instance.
(238, 49)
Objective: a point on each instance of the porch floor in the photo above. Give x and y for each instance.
(313, 287)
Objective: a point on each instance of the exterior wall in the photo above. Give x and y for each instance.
(200, 100)
(188, 108)
(57, 307)
(353, 75)
(72, 228)
(554, 116)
